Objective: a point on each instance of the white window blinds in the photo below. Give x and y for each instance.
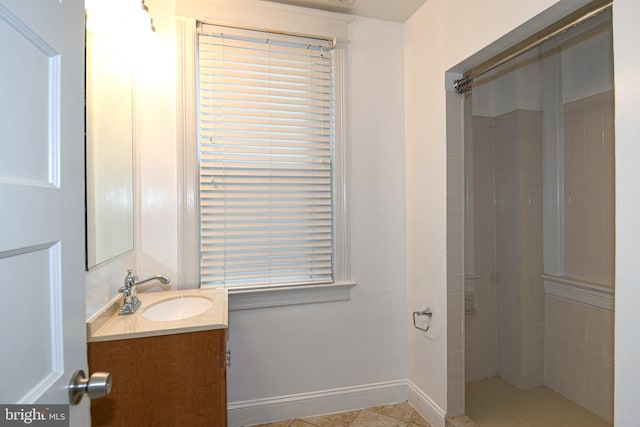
(265, 138)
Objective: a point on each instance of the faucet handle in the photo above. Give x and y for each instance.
(130, 279)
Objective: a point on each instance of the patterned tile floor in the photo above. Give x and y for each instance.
(398, 415)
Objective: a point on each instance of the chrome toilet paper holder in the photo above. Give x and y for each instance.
(426, 312)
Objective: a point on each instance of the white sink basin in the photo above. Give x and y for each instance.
(162, 313)
(178, 308)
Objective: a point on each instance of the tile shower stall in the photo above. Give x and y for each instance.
(539, 220)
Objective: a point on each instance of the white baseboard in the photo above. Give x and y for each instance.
(302, 405)
(426, 406)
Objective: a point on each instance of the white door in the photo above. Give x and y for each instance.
(42, 201)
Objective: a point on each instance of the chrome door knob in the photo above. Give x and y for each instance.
(98, 385)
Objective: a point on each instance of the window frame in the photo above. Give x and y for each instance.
(188, 183)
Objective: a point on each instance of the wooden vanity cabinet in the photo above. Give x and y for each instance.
(167, 380)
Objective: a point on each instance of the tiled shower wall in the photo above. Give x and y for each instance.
(481, 328)
(579, 354)
(579, 339)
(506, 335)
(589, 189)
(520, 294)
(516, 332)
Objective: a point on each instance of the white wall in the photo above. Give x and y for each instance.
(102, 282)
(437, 38)
(156, 228)
(310, 348)
(586, 71)
(519, 89)
(315, 358)
(586, 68)
(626, 33)
(512, 87)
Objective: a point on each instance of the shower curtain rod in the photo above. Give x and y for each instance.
(583, 14)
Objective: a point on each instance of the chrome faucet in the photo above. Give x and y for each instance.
(129, 291)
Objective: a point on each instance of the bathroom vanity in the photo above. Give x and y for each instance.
(165, 372)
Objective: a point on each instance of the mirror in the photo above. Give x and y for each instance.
(109, 148)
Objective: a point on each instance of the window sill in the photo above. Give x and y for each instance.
(248, 299)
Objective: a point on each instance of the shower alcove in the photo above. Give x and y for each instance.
(537, 147)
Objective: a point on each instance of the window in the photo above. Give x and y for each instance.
(266, 156)
(317, 265)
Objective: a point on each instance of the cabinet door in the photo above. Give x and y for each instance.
(169, 380)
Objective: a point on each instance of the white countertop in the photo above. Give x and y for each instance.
(107, 325)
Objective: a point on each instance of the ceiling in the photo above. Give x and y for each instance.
(388, 10)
